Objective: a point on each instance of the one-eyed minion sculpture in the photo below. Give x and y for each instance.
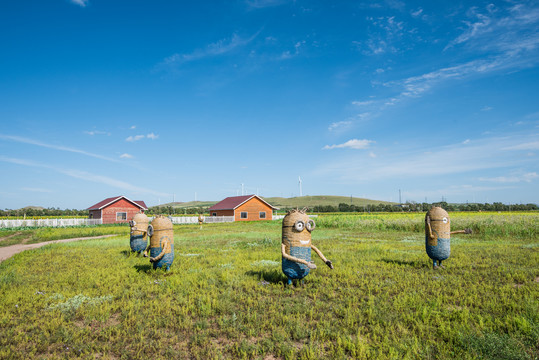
(296, 246)
(438, 235)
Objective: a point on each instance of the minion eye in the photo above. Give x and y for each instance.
(310, 225)
(150, 230)
(299, 225)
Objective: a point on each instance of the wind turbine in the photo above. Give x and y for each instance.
(300, 190)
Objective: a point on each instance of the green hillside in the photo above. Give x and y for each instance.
(299, 202)
(320, 200)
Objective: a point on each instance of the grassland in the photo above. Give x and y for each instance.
(225, 295)
(299, 201)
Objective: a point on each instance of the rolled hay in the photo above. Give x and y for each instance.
(437, 235)
(161, 242)
(139, 230)
(296, 245)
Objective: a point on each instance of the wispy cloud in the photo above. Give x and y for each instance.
(339, 125)
(84, 175)
(533, 145)
(458, 158)
(351, 144)
(504, 29)
(97, 132)
(151, 136)
(260, 4)
(23, 140)
(82, 3)
(221, 47)
(527, 177)
(39, 190)
(126, 156)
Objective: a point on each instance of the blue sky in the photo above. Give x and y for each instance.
(168, 99)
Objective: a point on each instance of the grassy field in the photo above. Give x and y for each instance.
(300, 202)
(225, 295)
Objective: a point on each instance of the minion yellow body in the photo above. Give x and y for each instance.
(161, 242)
(438, 235)
(296, 246)
(139, 230)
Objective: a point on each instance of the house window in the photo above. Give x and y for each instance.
(243, 215)
(121, 216)
(213, 214)
(262, 215)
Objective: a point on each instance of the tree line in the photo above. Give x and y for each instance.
(342, 207)
(412, 206)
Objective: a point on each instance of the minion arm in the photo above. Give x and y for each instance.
(465, 231)
(427, 221)
(165, 248)
(295, 259)
(328, 262)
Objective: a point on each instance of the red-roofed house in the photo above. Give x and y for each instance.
(118, 209)
(243, 208)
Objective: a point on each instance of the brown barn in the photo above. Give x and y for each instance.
(115, 210)
(243, 208)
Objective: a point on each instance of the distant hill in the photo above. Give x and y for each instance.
(32, 207)
(299, 202)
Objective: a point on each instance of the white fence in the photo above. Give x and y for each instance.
(48, 222)
(194, 219)
(78, 222)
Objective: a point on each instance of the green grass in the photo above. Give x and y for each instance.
(299, 201)
(225, 297)
(33, 235)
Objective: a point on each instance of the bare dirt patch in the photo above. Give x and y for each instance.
(8, 251)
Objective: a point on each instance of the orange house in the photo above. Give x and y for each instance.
(243, 208)
(115, 210)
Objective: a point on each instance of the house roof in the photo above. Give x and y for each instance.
(100, 205)
(232, 202)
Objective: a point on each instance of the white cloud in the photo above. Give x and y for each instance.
(486, 108)
(82, 3)
(339, 125)
(97, 132)
(476, 156)
(83, 175)
(220, 47)
(126, 156)
(140, 137)
(133, 127)
(36, 190)
(528, 177)
(351, 144)
(467, 141)
(55, 147)
(260, 4)
(362, 103)
(534, 145)
(134, 138)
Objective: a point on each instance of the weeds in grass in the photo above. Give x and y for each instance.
(226, 299)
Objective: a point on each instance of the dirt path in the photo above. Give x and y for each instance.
(8, 251)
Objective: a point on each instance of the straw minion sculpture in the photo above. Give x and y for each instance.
(296, 246)
(161, 242)
(139, 230)
(437, 235)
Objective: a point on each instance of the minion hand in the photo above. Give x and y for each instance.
(329, 264)
(311, 265)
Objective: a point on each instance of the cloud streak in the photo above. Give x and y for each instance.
(23, 140)
(351, 144)
(219, 48)
(151, 136)
(84, 175)
(82, 3)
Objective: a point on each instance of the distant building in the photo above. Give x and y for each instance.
(243, 208)
(115, 210)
